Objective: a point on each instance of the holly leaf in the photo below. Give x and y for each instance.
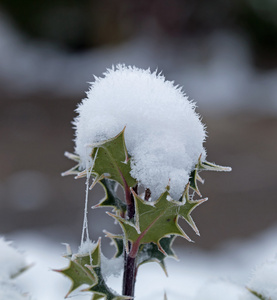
(77, 271)
(117, 241)
(86, 269)
(194, 177)
(111, 199)
(156, 220)
(202, 166)
(111, 161)
(205, 165)
(76, 169)
(258, 295)
(151, 253)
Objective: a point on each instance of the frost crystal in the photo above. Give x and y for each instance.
(86, 247)
(164, 136)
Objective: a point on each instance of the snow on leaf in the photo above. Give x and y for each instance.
(111, 161)
(146, 103)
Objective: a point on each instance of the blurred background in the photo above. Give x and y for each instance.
(224, 54)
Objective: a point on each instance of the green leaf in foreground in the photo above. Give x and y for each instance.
(111, 199)
(86, 269)
(156, 220)
(202, 166)
(110, 160)
(259, 296)
(151, 253)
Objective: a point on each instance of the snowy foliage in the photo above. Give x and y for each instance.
(12, 262)
(164, 135)
(8, 291)
(264, 280)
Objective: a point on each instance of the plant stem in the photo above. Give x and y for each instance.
(129, 275)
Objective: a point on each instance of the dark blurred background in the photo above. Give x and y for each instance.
(223, 52)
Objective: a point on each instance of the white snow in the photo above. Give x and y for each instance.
(264, 280)
(86, 247)
(164, 135)
(218, 290)
(228, 267)
(11, 260)
(111, 267)
(9, 291)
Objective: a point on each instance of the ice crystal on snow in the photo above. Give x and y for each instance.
(164, 136)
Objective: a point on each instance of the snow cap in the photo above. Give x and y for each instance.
(164, 135)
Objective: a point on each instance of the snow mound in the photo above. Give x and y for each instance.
(164, 135)
(218, 290)
(11, 261)
(263, 280)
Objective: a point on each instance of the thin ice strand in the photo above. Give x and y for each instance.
(85, 222)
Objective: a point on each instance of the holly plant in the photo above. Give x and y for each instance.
(149, 228)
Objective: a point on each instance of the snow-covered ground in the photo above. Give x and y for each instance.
(228, 268)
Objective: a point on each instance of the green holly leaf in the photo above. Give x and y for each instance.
(86, 269)
(205, 165)
(151, 253)
(194, 177)
(155, 220)
(117, 241)
(78, 272)
(111, 161)
(101, 290)
(201, 166)
(76, 169)
(259, 296)
(111, 199)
